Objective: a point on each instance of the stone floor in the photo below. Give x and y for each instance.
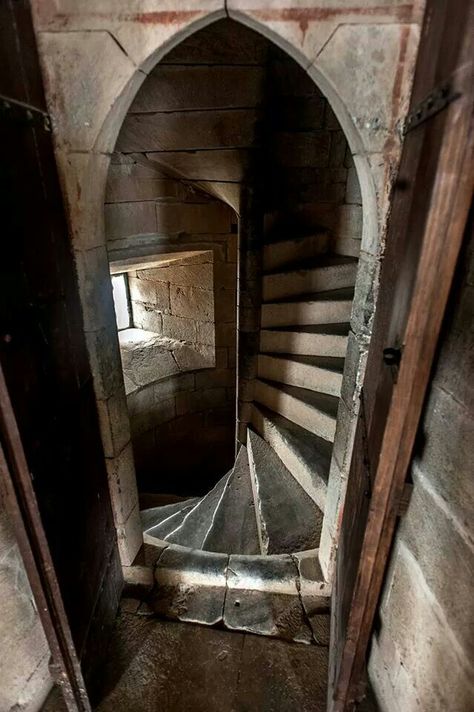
(164, 666)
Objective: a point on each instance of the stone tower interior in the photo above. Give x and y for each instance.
(231, 275)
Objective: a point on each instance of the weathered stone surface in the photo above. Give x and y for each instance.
(187, 130)
(416, 661)
(363, 62)
(138, 580)
(295, 150)
(194, 218)
(313, 411)
(263, 598)
(128, 182)
(180, 88)
(147, 357)
(337, 274)
(306, 342)
(285, 252)
(305, 455)
(158, 522)
(128, 219)
(130, 537)
(179, 327)
(175, 384)
(152, 292)
(193, 530)
(191, 585)
(327, 310)
(287, 518)
(234, 526)
(221, 165)
(192, 302)
(122, 483)
(193, 357)
(24, 651)
(312, 372)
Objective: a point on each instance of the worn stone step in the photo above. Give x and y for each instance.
(306, 456)
(287, 518)
(335, 273)
(286, 252)
(193, 529)
(158, 522)
(329, 308)
(315, 412)
(323, 375)
(234, 527)
(306, 341)
(278, 595)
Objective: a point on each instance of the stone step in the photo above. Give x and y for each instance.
(323, 375)
(330, 308)
(234, 527)
(315, 412)
(158, 522)
(305, 342)
(194, 528)
(281, 595)
(286, 252)
(336, 273)
(306, 456)
(287, 518)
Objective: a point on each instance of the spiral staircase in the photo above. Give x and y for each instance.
(246, 554)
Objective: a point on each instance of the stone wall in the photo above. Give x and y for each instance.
(423, 649)
(183, 431)
(24, 654)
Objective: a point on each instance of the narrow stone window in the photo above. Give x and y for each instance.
(121, 294)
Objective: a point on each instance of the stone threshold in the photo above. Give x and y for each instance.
(283, 595)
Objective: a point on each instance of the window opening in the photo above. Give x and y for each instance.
(121, 293)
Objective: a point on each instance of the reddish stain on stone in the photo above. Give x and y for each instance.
(304, 15)
(162, 17)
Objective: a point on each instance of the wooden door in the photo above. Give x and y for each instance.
(429, 210)
(43, 351)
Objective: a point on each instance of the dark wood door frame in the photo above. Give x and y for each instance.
(429, 213)
(19, 499)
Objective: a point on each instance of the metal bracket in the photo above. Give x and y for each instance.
(435, 102)
(19, 113)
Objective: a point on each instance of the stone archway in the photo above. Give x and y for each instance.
(94, 65)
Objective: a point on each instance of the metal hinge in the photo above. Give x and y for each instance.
(436, 101)
(19, 113)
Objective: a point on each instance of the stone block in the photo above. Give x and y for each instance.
(443, 456)
(205, 332)
(104, 357)
(200, 400)
(217, 378)
(95, 288)
(179, 327)
(146, 358)
(338, 148)
(225, 276)
(354, 370)
(130, 538)
(122, 484)
(151, 292)
(191, 585)
(147, 317)
(227, 164)
(177, 88)
(416, 655)
(353, 193)
(114, 424)
(365, 295)
(192, 302)
(222, 360)
(132, 182)
(85, 72)
(187, 275)
(128, 219)
(295, 150)
(363, 62)
(225, 305)
(444, 554)
(192, 358)
(184, 131)
(225, 334)
(171, 386)
(138, 580)
(193, 218)
(263, 598)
